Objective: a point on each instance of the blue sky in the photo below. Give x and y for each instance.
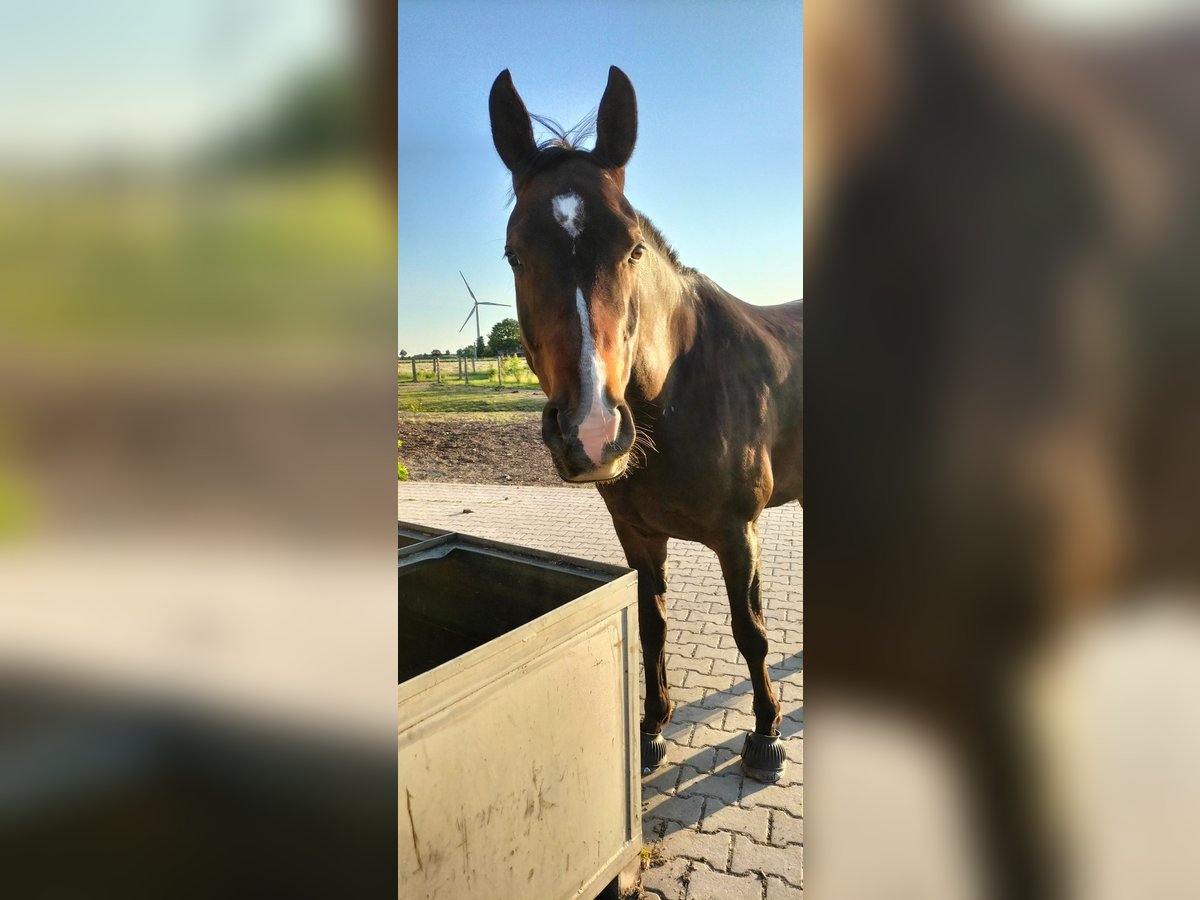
(718, 158)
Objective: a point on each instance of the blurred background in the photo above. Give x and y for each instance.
(1002, 555)
(197, 329)
(197, 322)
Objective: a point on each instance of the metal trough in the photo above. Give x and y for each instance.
(518, 742)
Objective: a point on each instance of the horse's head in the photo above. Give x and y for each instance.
(573, 243)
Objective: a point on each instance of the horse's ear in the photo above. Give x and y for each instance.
(616, 123)
(512, 132)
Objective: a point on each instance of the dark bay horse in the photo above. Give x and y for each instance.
(682, 402)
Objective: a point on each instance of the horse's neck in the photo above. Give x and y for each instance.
(668, 326)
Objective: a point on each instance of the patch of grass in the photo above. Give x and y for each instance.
(267, 260)
(428, 398)
(401, 470)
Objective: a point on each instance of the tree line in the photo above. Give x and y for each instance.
(504, 338)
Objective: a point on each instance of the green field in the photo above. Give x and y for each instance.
(481, 373)
(424, 397)
(284, 260)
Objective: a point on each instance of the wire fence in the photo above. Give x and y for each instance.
(494, 371)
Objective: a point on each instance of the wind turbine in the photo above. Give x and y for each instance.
(475, 312)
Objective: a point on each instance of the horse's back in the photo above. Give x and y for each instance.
(788, 317)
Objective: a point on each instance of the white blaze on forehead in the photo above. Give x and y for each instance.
(598, 425)
(568, 212)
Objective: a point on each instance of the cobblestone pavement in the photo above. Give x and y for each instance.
(722, 836)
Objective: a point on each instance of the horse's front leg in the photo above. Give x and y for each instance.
(648, 555)
(763, 755)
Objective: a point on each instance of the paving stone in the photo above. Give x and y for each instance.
(699, 664)
(686, 810)
(789, 676)
(706, 736)
(663, 780)
(724, 760)
(721, 651)
(709, 682)
(786, 829)
(733, 667)
(740, 702)
(702, 758)
(711, 848)
(736, 720)
(652, 827)
(705, 884)
(685, 695)
(752, 822)
(789, 688)
(780, 890)
(793, 775)
(724, 788)
(784, 862)
(792, 724)
(679, 731)
(791, 695)
(665, 881)
(699, 639)
(795, 747)
(719, 620)
(789, 798)
(696, 714)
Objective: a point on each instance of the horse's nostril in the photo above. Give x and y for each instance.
(552, 421)
(625, 430)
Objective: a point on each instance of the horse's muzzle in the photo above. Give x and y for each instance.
(560, 432)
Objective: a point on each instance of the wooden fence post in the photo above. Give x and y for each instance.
(499, 370)
(414, 365)
(437, 369)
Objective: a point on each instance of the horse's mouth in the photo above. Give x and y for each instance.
(574, 467)
(608, 472)
(573, 464)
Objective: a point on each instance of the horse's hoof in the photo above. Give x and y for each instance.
(654, 751)
(763, 757)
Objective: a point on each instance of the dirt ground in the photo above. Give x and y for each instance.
(476, 448)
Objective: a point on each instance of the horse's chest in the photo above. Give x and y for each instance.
(656, 507)
(685, 493)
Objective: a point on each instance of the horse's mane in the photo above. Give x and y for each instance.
(566, 138)
(662, 245)
(561, 145)
(565, 143)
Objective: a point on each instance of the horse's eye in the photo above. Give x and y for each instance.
(513, 259)
(637, 253)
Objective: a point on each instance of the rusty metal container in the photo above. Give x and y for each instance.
(517, 721)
